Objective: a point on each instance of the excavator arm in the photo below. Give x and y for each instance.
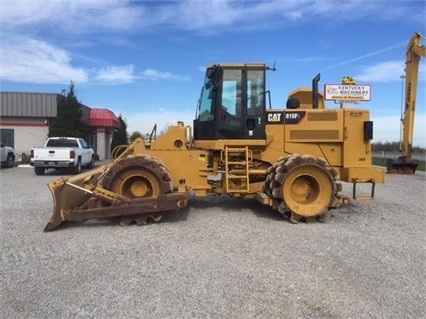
(415, 51)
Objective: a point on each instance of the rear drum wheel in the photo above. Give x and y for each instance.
(301, 187)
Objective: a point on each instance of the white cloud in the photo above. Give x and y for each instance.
(28, 60)
(116, 74)
(151, 74)
(23, 13)
(388, 71)
(75, 17)
(367, 55)
(106, 16)
(196, 15)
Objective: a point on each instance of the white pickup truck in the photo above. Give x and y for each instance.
(62, 152)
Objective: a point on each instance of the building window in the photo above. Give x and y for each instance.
(7, 137)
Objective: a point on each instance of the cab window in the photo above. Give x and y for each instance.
(231, 92)
(255, 92)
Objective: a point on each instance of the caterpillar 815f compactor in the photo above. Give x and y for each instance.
(405, 164)
(290, 158)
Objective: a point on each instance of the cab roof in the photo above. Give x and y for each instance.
(254, 65)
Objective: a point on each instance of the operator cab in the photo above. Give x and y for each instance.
(232, 103)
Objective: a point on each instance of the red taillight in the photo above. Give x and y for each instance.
(72, 154)
(32, 153)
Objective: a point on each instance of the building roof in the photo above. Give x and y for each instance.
(104, 118)
(29, 104)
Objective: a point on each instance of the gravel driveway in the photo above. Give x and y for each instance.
(219, 258)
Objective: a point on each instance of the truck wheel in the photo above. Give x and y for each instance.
(77, 167)
(92, 162)
(10, 161)
(39, 170)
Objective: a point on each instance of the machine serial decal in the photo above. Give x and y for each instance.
(294, 117)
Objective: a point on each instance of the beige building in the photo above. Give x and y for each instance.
(25, 118)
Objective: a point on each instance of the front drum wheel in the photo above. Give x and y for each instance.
(138, 177)
(136, 183)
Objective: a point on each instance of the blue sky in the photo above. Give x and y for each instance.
(145, 60)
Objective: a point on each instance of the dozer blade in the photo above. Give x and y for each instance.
(66, 197)
(134, 207)
(54, 222)
(120, 207)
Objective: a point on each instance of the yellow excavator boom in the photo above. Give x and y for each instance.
(415, 51)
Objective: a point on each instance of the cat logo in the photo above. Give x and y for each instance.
(275, 118)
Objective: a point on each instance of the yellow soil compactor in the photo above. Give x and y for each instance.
(290, 159)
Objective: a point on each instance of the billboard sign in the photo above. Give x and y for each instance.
(347, 93)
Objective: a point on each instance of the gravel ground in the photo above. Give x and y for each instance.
(219, 258)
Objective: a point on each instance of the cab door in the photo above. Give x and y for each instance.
(230, 122)
(255, 116)
(241, 114)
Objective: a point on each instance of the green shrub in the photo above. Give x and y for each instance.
(25, 159)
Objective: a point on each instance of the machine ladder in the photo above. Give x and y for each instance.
(237, 169)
